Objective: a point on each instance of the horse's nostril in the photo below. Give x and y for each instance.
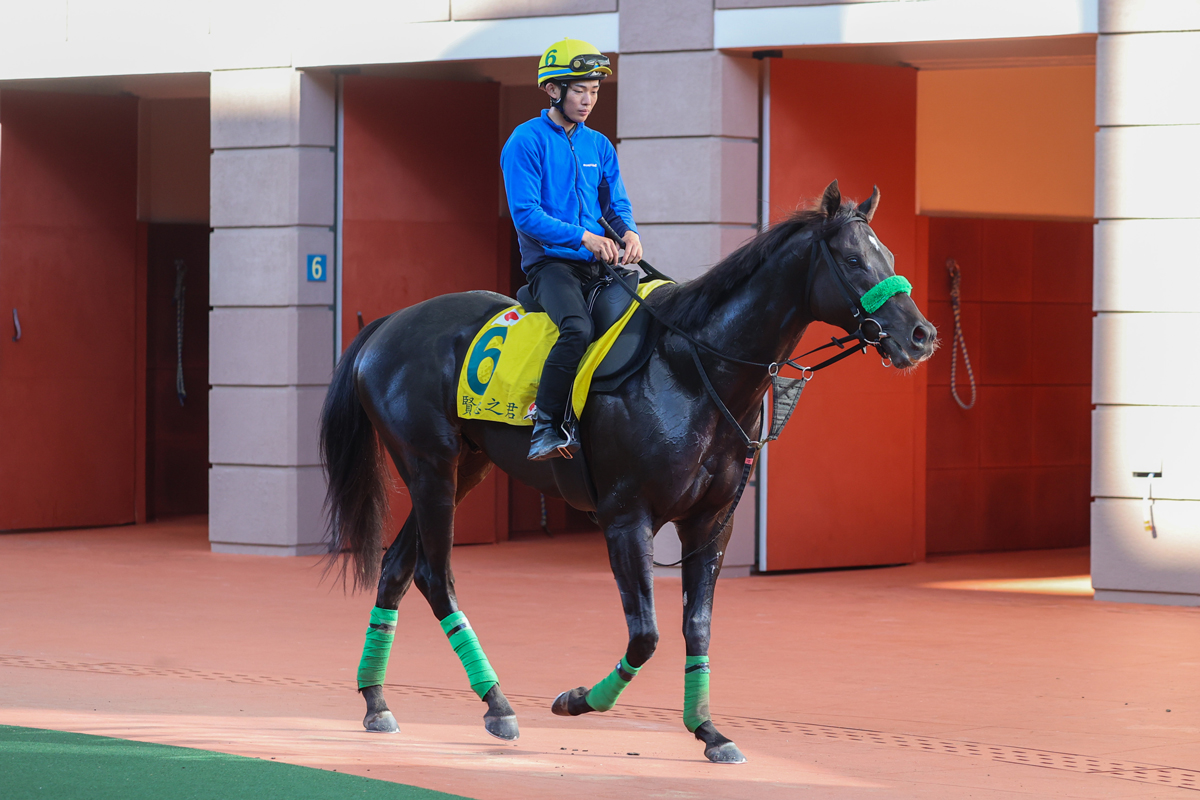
(919, 334)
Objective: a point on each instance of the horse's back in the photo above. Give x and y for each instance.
(419, 349)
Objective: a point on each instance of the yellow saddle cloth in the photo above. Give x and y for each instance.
(499, 380)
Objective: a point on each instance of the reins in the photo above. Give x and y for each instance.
(785, 390)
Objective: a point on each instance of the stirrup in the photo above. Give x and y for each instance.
(568, 448)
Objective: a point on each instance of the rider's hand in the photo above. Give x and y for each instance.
(633, 248)
(601, 247)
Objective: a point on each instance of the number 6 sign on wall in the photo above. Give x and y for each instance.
(317, 267)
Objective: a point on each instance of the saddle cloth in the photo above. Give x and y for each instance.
(499, 379)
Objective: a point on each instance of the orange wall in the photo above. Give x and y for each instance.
(421, 219)
(69, 264)
(1015, 142)
(173, 150)
(847, 478)
(1013, 472)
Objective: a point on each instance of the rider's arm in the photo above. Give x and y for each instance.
(617, 210)
(522, 168)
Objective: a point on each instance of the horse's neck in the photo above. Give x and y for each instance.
(761, 322)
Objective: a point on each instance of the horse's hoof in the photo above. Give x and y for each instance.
(503, 727)
(382, 722)
(725, 753)
(572, 703)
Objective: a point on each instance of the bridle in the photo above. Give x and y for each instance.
(870, 333)
(862, 306)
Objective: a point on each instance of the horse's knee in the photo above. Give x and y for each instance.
(642, 645)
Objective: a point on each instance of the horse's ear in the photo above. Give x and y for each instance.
(831, 200)
(868, 206)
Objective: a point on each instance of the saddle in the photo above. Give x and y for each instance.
(607, 302)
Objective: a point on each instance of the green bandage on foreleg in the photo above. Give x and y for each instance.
(604, 694)
(480, 674)
(695, 692)
(380, 633)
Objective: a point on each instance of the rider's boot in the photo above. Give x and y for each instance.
(549, 439)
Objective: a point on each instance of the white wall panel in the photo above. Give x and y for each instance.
(1126, 557)
(1135, 16)
(1128, 439)
(280, 346)
(1145, 359)
(1138, 80)
(267, 266)
(702, 179)
(1140, 172)
(266, 510)
(264, 426)
(1142, 265)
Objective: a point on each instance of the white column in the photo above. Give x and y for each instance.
(1144, 384)
(688, 124)
(271, 328)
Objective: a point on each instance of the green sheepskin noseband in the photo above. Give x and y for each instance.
(883, 291)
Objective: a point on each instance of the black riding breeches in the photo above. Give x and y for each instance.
(558, 288)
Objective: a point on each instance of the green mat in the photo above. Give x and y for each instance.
(37, 763)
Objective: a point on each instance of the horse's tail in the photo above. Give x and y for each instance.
(356, 502)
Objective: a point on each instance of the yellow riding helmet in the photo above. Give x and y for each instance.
(572, 60)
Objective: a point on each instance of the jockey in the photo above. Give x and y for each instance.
(560, 177)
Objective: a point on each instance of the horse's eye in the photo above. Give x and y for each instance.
(853, 261)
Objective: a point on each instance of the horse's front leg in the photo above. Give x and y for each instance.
(700, 571)
(631, 554)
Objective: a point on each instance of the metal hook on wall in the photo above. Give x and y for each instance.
(16, 326)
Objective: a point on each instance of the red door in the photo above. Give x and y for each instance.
(846, 481)
(68, 267)
(421, 189)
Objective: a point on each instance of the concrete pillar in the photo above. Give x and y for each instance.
(1144, 383)
(271, 329)
(688, 124)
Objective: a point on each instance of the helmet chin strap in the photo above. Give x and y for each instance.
(562, 96)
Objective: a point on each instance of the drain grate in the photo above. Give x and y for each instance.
(1047, 759)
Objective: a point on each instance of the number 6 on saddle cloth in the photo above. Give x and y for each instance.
(500, 376)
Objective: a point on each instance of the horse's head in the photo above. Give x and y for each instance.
(853, 283)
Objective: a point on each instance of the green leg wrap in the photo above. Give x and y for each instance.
(695, 692)
(480, 674)
(380, 633)
(604, 694)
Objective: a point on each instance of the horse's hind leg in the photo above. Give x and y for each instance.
(394, 580)
(434, 500)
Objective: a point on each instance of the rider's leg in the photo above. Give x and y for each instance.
(558, 288)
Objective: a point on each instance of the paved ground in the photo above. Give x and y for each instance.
(990, 676)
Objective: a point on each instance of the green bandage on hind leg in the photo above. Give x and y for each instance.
(604, 694)
(695, 692)
(480, 674)
(380, 633)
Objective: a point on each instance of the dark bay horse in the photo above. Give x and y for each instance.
(659, 449)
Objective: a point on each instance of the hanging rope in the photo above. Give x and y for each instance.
(180, 292)
(955, 281)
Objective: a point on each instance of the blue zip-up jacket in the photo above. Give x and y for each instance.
(558, 185)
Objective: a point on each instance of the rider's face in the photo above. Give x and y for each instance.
(580, 100)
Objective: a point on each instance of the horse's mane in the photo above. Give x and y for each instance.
(690, 304)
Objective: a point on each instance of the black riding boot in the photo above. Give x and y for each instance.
(549, 440)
